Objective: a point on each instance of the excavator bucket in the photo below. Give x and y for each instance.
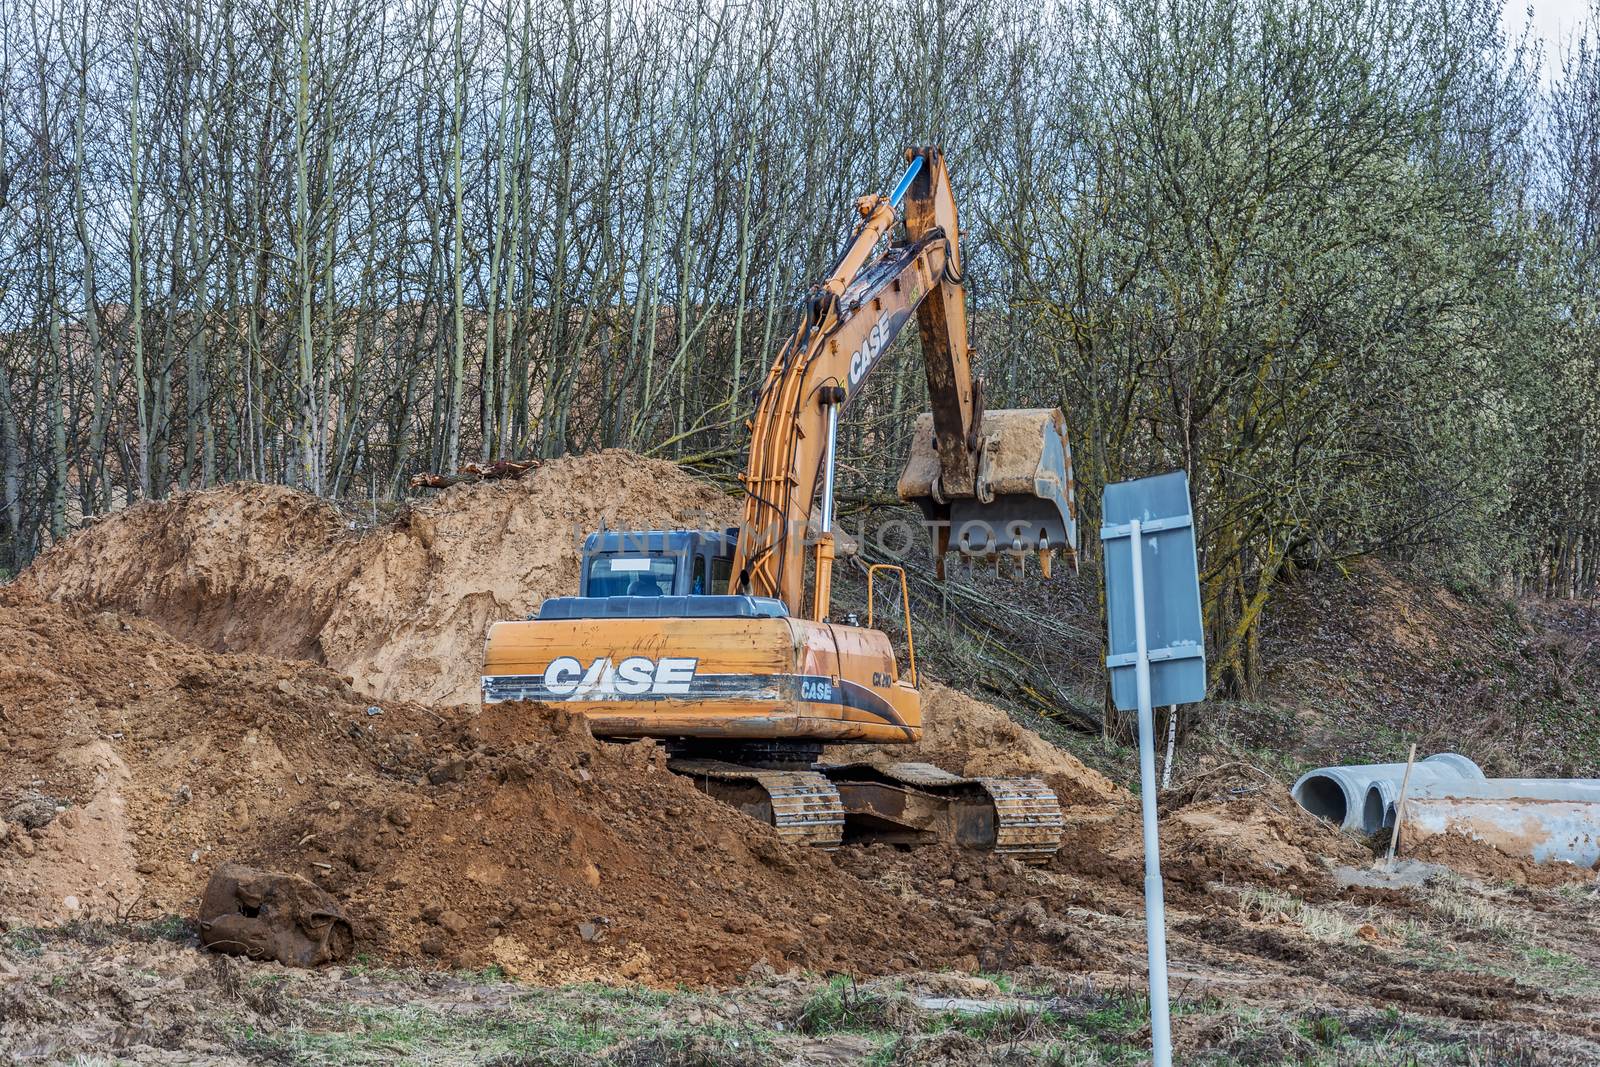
(1021, 498)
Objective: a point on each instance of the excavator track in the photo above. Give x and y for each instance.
(907, 802)
(1027, 818)
(803, 806)
(898, 803)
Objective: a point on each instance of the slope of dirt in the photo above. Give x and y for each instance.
(158, 759)
(403, 608)
(1365, 658)
(247, 568)
(558, 857)
(1481, 860)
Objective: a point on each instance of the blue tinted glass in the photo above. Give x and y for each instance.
(631, 575)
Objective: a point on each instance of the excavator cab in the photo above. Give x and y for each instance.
(656, 563)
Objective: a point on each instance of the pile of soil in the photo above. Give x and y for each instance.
(157, 759)
(534, 847)
(1235, 824)
(401, 608)
(1481, 860)
(135, 764)
(1221, 830)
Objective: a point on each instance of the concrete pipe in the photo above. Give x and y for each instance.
(1545, 819)
(1377, 809)
(1339, 794)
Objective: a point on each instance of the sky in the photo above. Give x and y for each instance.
(1553, 21)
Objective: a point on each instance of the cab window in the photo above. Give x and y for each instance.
(721, 574)
(632, 575)
(698, 587)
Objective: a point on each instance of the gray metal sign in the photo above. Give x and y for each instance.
(1173, 630)
(1157, 657)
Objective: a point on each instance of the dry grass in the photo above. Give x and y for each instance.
(1276, 907)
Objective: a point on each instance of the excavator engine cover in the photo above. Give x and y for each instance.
(1021, 498)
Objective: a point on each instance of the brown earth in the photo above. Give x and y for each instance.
(513, 838)
(402, 608)
(1235, 824)
(1479, 859)
(970, 737)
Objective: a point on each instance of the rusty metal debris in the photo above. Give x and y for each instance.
(269, 915)
(475, 472)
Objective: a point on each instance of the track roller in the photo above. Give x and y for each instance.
(1027, 817)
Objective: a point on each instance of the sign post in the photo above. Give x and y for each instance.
(1156, 655)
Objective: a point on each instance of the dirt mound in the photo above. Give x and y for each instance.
(511, 838)
(534, 847)
(402, 608)
(1236, 824)
(162, 758)
(969, 737)
(247, 568)
(1229, 827)
(1479, 859)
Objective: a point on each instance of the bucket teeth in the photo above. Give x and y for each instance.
(1018, 498)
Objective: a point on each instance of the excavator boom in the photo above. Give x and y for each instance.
(990, 482)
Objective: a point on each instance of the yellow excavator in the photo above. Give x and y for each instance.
(707, 639)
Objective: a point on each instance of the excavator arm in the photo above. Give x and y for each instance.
(963, 461)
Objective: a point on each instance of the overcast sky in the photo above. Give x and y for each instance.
(1553, 22)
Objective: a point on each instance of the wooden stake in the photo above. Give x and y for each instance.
(1400, 807)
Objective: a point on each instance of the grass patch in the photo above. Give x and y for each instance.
(843, 1006)
(173, 928)
(556, 1027)
(1272, 906)
(415, 1034)
(364, 967)
(25, 940)
(632, 995)
(1484, 916)
(711, 1046)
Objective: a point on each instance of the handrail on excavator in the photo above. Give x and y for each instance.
(905, 606)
